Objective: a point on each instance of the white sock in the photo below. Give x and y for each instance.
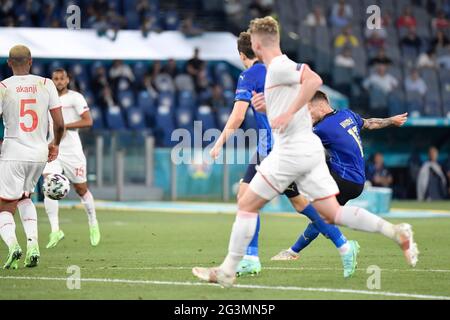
(88, 201)
(28, 215)
(251, 258)
(52, 209)
(8, 228)
(344, 249)
(361, 219)
(241, 235)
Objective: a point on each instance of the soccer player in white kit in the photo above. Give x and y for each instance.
(297, 156)
(26, 101)
(71, 159)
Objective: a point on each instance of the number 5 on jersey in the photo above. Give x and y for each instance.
(25, 111)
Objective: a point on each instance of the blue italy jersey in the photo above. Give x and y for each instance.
(253, 79)
(340, 135)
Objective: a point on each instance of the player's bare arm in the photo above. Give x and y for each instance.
(234, 122)
(84, 122)
(380, 123)
(311, 82)
(58, 131)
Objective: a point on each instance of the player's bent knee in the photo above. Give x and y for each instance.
(81, 189)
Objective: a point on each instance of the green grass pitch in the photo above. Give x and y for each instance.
(150, 255)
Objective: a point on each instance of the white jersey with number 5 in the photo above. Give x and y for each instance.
(281, 88)
(73, 106)
(25, 102)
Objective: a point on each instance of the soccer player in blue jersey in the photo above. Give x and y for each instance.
(253, 80)
(339, 132)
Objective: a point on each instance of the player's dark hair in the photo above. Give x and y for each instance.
(244, 44)
(320, 96)
(60, 70)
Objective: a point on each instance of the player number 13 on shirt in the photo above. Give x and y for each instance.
(26, 111)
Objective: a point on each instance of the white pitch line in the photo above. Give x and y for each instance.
(265, 268)
(240, 286)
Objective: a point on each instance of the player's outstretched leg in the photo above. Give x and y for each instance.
(362, 220)
(251, 265)
(52, 209)
(348, 250)
(28, 215)
(87, 200)
(8, 234)
(241, 235)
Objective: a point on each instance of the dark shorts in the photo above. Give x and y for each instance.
(348, 190)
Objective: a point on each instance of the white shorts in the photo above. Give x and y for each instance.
(18, 177)
(73, 167)
(309, 171)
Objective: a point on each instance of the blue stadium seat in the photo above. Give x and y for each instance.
(414, 103)
(126, 99)
(132, 18)
(205, 115)
(165, 125)
(171, 20)
(444, 78)
(135, 119)
(229, 97)
(432, 106)
(186, 100)
(184, 118)
(114, 119)
(139, 70)
(145, 100)
(78, 69)
(55, 64)
(166, 98)
(97, 118)
(222, 116)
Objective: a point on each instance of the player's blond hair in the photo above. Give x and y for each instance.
(19, 55)
(266, 27)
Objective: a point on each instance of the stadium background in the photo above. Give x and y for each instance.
(134, 96)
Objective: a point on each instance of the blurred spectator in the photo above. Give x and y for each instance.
(447, 165)
(341, 14)
(380, 58)
(121, 75)
(346, 38)
(376, 39)
(427, 59)
(171, 68)
(7, 15)
(49, 15)
(431, 182)
(345, 59)
(414, 83)
(188, 27)
(161, 80)
(315, 18)
(377, 174)
(414, 165)
(143, 9)
(195, 67)
(444, 60)
(100, 80)
(406, 20)
(217, 100)
(381, 80)
(149, 23)
(440, 40)
(106, 100)
(386, 18)
(258, 9)
(411, 40)
(235, 14)
(440, 22)
(148, 86)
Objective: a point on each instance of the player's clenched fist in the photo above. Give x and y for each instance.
(258, 102)
(53, 151)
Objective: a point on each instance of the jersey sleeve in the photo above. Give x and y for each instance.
(80, 104)
(359, 120)
(244, 89)
(53, 102)
(291, 73)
